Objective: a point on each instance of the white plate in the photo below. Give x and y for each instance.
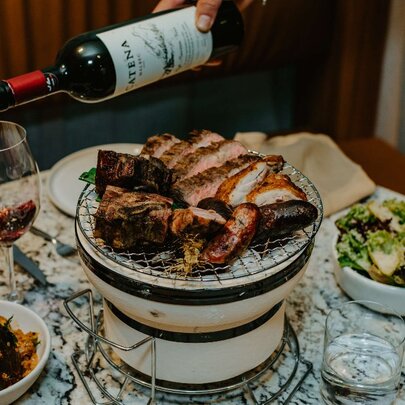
(64, 186)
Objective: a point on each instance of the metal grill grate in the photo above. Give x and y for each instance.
(158, 263)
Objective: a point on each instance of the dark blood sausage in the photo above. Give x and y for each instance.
(218, 206)
(234, 237)
(282, 218)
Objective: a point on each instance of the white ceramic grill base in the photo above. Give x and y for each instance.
(188, 318)
(193, 319)
(197, 363)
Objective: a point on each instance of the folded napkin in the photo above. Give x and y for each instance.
(339, 180)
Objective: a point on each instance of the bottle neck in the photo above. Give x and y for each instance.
(28, 87)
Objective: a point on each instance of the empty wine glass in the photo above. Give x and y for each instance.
(19, 193)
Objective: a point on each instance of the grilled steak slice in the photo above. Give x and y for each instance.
(128, 171)
(283, 218)
(202, 159)
(195, 221)
(197, 140)
(125, 219)
(276, 187)
(233, 190)
(234, 237)
(205, 184)
(156, 145)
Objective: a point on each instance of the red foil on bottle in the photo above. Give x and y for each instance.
(28, 86)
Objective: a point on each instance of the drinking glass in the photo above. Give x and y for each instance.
(19, 193)
(362, 356)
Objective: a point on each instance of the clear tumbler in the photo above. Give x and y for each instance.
(363, 354)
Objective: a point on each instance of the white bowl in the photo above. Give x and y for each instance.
(359, 287)
(26, 320)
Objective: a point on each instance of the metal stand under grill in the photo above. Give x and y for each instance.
(99, 349)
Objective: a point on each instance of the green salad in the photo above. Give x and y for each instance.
(372, 240)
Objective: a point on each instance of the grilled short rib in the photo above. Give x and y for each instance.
(195, 221)
(198, 139)
(125, 219)
(128, 171)
(156, 145)
(205, 184)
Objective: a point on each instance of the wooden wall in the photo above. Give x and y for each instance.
(337, 45)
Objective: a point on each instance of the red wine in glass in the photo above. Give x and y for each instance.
(19, 193)
(15, 221)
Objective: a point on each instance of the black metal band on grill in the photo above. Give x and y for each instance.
(200, 296)
(204, 337)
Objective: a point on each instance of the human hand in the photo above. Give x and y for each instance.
(206, 10)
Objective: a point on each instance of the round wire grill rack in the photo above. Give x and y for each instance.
(160, 262)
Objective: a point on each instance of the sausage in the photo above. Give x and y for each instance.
(235, 236)
(218, 206)
(282, 218)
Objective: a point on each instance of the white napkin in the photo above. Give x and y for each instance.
(339, 180)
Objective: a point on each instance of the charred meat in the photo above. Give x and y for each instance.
(156, 145)
(125, 219)
(233, 190)
(216, 205)
(275, 163)
(234, 237)
(283, 218)
(128, 171)
(198, 140)
(195, 221)
(205, 184)
(276, 187)
(204, 158)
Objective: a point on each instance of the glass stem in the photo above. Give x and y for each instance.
(13, 294)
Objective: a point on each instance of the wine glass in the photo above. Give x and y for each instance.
(19, 193)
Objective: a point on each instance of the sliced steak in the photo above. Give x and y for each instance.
(128, 171)
(156, 145)
(197, 140)
(125, 219)
(205, 184)
(276, 187)
(195, 221)
(204, 158)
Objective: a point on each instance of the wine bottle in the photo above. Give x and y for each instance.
(105, 63)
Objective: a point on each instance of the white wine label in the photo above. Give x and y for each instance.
(156, 48)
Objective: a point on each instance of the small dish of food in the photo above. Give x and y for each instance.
(25, 345)
(369, 252)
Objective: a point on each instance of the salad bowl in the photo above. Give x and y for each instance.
(368, 252)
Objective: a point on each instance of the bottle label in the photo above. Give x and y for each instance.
(153, 49)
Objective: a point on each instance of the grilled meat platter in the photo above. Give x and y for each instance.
(205, 187)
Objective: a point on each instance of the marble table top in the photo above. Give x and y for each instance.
(307, 307)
